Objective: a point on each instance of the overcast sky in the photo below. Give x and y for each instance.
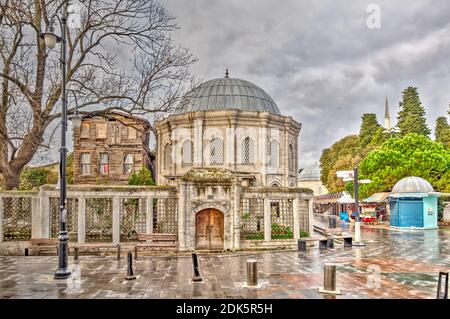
(319, 60)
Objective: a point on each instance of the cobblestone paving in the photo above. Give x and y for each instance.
(408, 262)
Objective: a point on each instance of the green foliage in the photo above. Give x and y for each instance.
(34, 177)
(412, 155)
(411, 118)
(281, 232)
(143, 177)
(441, 207)
(254, 236)
(303, 234)
(442, 131)
(343, 155)
(369, 127)
(69, 168)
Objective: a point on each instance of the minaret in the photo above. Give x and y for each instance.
(387, 117)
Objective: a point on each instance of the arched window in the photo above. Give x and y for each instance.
(274, 150)
(291, 158)
(216, 152)
(168, 156)
(248, 151)
(187, 153)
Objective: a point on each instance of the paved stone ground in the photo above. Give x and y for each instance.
(409, 263)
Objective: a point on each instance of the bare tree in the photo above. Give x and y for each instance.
(122, 57)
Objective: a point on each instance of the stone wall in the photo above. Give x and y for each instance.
(232, 128)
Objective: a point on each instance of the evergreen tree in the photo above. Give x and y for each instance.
(442, 131)
(369, 127)
(411, 118)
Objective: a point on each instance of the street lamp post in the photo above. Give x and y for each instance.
(50, 39)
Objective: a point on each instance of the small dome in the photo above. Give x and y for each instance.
(412, 184)
(310, 173)
(227, 93)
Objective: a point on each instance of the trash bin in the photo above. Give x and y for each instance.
(332, 221)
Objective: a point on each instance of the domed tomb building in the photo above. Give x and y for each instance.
(229, 124)
(234, 159)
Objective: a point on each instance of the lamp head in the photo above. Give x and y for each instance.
(50, 39)
(76, 120)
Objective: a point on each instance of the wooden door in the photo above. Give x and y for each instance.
(209, 229)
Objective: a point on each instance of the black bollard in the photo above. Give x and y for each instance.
(330, 243)
(26, 251)
(196, 277)
(75, 253)
(301, 245)
(442, 292)
(118, 252)
(130, 273)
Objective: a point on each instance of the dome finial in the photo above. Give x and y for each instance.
(226, 73)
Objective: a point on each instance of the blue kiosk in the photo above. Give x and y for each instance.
(414, 204)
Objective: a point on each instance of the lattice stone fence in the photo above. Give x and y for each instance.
(94, 213)
(268, 215)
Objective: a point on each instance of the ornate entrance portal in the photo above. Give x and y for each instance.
(209, 229)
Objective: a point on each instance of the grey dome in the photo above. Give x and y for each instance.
(412, 184)
(227, 93)
(311, 173)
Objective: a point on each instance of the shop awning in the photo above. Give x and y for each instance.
(377, 198)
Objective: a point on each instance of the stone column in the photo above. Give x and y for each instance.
(231, 145)
(267, 221)
(1, 219)
(182, 198)
(236, 217)
(263, 144)
(310, 217)
(198, 142)
(286, 157)
(149, 215)
(116, 220)
(44, 218)
(296, 207)
(35, 217)
(81, 220)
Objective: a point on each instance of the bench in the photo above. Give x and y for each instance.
(324, 242)
(40, 244)
(156, 241)
(75, 248)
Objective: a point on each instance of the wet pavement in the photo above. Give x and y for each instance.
(393, 264)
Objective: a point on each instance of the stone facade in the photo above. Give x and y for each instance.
(259, 146)
(108, 148)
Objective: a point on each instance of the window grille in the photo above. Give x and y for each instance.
(85, 163)
(168, 156)
(16, 218)
(187, 153)
(248, 151)
(71, 218)
(282, 216)
(291, 158)
(132, 218)
(165, 216)
(274, 154)
(104, 163)
(99, 220)
(128, 164)
(216, 152)
(252, 219)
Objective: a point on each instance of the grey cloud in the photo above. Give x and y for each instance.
(319, 61)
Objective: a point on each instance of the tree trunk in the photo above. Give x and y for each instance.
(11, 180)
